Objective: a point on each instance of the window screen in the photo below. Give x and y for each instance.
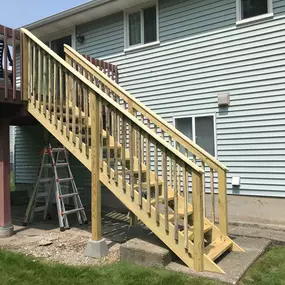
(252, 8)
(150, 25)
(135, 28)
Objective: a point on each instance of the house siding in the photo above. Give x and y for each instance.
(203, 53)
(103, 37)
(28, 143)
(184, 76)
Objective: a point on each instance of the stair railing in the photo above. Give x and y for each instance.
(53, 87)
(215, 171)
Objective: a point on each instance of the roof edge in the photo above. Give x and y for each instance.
(67, 13)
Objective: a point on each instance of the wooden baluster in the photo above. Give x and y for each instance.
(116, 139)
(175, 188)
(14, 67)
(170, 167)
(44, 83)
(50, 75)
(73, 82)
(101, 107)
(108, 113)
(6, 61)
(139, 135)
(165, 188)
(34, 75)
(61, 97)
(212, 194)
(55, 88)
(39, 79)
(204, 190)
(29, 69)
(156, 177)
(178, 172)
(67, 98)
(124, 146)
(148, 167)
(185, 190)
(198, 221)
(131, 149)
(80, 91)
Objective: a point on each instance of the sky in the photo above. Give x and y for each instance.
(22, 12)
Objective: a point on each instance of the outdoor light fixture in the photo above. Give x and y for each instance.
(224, 99)
(80, 39)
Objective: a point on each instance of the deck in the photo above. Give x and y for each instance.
(12, 107)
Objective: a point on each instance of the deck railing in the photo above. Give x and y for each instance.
(9, 38)
(214, 178)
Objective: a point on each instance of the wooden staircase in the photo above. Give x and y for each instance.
(131, 151)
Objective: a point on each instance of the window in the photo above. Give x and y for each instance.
(141, 26)
(200, 129)
(253, 8)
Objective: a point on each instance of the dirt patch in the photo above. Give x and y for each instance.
(63, 247)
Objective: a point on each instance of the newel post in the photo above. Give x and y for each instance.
(97, 246)
(223, 203)
(198, 220)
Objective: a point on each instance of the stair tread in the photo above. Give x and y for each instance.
(217, 248)
(207, 227)
(152, 184)
(161, 198)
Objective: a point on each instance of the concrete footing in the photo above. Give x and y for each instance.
(96, 249)
(6, 231)
(145, 253)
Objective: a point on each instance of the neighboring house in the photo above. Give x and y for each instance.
(178, 57)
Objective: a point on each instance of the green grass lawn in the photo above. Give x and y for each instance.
(20, 269)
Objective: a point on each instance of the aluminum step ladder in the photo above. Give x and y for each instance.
(55, 160)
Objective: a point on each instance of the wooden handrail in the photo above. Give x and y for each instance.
(166, 127)
(112, 103)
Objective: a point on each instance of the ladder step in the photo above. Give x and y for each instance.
(58, 149)
(217, 248)
(44, 180)
(43, 194)
(60, 180)
(39, 209)
(49, 165)
(72, 211)
(69, 195)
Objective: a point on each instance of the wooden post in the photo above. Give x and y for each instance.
(6, 228)
(24, 75)
(198, 222)
(223, 203)
(95, 161)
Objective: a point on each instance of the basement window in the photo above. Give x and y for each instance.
(200, 129)
(254, 9)
(141, 26)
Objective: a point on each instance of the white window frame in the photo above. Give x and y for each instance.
(193, 117)
(240, 21)
(126, 25)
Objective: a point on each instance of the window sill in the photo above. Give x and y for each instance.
(140, 47)
(254, 19)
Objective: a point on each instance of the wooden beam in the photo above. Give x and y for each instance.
(223, 203)
(95, 164)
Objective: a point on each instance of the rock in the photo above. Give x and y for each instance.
(45, 242)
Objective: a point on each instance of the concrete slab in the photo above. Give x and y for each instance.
(276, 234)
(235, 264)
(145, 253)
